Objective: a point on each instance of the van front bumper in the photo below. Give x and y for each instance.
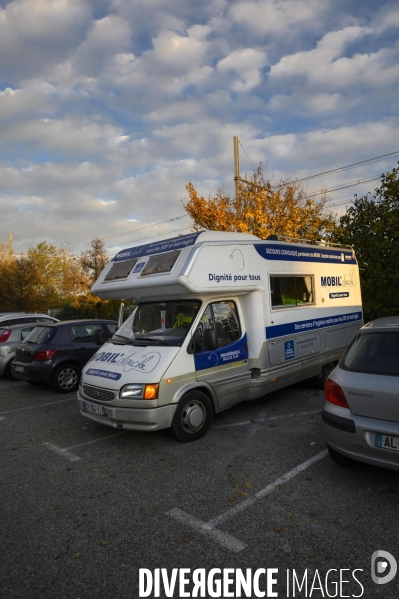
(135, 419)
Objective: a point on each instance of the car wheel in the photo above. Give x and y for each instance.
(8, 374)
(325, 372)
(193, 417)
(338, 458)
(66, 378)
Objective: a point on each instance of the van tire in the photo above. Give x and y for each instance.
(325, 372)
(8, 373)
(338, 458)
(66, 378)
(192, 418)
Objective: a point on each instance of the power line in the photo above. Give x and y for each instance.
(347, 167)
(358, 182)
(247, 155)
(134, 230)
(150, 237)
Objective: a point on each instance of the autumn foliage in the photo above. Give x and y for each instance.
(262, 209)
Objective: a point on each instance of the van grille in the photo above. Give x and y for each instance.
(99, 394)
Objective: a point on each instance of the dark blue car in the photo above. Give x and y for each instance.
(56, 353)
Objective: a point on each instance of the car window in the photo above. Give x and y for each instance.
(373, 353)
(25, 332)
(84, 333)
(111, 327)
(41, 335)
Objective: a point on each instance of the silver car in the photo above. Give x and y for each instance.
(361, 413)
(10, 336)
(10, 318)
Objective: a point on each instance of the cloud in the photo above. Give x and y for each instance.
(108, 109)
(35, 34)
(246, 64)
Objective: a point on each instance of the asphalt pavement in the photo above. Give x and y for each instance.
(86, 508)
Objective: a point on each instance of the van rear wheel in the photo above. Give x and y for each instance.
(325, 372)
(193, 417)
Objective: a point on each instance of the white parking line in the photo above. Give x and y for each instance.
(264, 419)
(39, 406)
(224, 539)
(66, 451)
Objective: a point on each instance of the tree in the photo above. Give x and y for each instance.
(18, 280)
(91, 263)
(56, 273)
(261, 209)
(371, 226)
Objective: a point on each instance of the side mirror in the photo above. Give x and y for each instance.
(99, 336)
(210, 339)
(195, 346)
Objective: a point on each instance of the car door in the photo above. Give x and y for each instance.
(82, 336)
(225, 368)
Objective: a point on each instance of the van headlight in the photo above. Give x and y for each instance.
(139, 392)
(131, 392)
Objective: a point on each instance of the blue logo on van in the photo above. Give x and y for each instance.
(289, 350)
(223, 355)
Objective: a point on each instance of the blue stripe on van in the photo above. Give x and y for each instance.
(321, 322)
(295, 253)
(158, 247)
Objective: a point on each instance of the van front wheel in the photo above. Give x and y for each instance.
(193, 417)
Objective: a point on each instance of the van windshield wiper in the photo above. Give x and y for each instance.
(152, 340)
(123, 340)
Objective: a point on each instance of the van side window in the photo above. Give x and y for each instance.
(289, 291)
(223, 317)
(160, 263)
(121, 270)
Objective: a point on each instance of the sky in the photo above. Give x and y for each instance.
(108, 108)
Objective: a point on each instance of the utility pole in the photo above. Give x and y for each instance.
(10, 250)
(236, 166)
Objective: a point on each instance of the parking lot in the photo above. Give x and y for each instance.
(84, 507)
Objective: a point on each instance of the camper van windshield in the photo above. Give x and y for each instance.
(158, 323)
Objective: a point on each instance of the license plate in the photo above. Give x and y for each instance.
(387, 441)
(19, 368)
(91, 407)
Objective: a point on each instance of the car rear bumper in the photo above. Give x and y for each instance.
(136, 419)
(355, 436)
(4, 360)
(34, 371)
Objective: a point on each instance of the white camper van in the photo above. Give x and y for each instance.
(221, 318)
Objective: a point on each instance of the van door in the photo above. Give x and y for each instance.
(225, 368)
